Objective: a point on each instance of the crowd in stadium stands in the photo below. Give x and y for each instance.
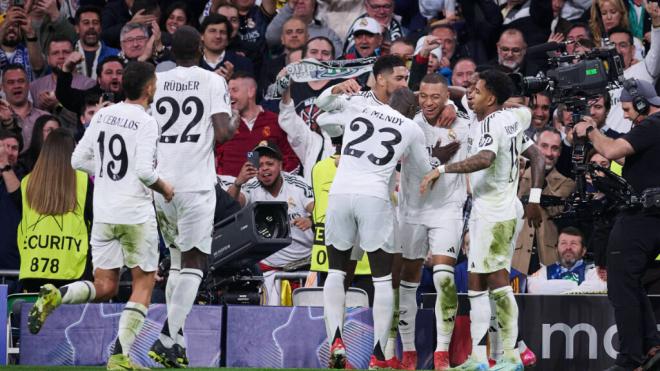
(61, 60)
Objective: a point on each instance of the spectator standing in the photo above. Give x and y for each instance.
(294, 37)
(305, 10)
(215, 31)
(256, 125)
(88, 28)
(540, 104)
(42, 89)
(17, 27)
(117, 13)
(16, 86)
(10, 182)
(304, 94)
(383, 12)
(109, 74)
(367, 38)
(138, 45)
(42, 128)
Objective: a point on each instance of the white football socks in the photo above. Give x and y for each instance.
(507, 317)
(334, 301)
(130, 323)
(78, 292)
(382, 309)
(446, 305)
(407, 313)
(182, 300)
(479, 321)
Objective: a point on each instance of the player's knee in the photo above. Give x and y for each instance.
(106, 289)
(411, 270)
(194, 259)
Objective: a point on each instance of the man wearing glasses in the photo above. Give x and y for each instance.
(383, 12)
(511, 49)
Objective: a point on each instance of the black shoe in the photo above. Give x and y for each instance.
(165, 356)
(181, 356)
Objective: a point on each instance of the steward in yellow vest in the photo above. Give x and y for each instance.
(323, 174)
(54, 247)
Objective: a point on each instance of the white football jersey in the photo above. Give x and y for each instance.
(375, 138)
(445, 199)
(494, 190)
(119, 149)
(186, 98)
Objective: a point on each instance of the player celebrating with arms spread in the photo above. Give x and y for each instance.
(494, 145)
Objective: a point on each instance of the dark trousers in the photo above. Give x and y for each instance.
(633, 245)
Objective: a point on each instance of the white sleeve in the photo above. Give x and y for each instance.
(491, 134)
(524, 116)
(652, 61)
(220, 93)
(145, 152)
(538, 283)
(332, 123)
(83, 156)
(297, 132)
(591, 284)
(331, 102)
(429, 8)
(417, 154)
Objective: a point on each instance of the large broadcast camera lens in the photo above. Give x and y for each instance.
(525, 86)
(269, 222)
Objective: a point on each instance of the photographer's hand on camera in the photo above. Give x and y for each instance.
(582, 127)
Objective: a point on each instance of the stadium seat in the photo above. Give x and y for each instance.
(313, 297)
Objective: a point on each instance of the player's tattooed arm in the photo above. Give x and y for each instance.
(225, 126)
(481, 160)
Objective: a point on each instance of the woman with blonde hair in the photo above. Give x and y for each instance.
(53, 235)
(613, 13)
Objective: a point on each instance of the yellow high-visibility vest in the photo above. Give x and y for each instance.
(54, 247)
(323, 174)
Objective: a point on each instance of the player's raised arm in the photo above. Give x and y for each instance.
(334, 98)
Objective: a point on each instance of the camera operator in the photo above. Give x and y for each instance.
(633, 242)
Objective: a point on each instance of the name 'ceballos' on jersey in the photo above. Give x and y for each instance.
(186, 98)
(494, 189)
(445, 199)
(375, 138)
(119, 149)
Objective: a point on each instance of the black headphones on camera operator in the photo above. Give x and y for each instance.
(640, 103)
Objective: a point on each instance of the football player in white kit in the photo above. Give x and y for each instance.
(192, 107)
(119, 149)
(494, 145)
(433, 220)
(375, 138)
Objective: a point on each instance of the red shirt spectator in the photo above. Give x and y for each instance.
(256, 125)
